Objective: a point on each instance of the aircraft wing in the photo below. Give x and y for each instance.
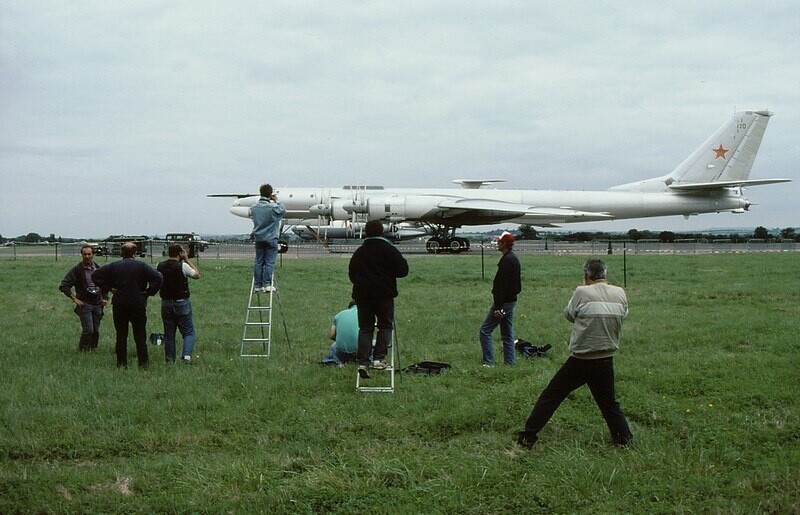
(233, 195)
(701, 186)
(519, 209)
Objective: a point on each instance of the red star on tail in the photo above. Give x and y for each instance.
(720, 151)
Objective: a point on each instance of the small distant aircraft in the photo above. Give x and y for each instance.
(710, 180)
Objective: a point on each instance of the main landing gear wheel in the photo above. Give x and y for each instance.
(436, 245)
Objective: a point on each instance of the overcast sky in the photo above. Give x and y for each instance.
(121, 116)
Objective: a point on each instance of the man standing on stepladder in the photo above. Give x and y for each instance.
(374, 269)
(266, 214)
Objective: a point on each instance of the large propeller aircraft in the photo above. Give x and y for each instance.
(710, 180)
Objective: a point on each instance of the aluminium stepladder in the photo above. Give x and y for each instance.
(257, 332)
(377, 375)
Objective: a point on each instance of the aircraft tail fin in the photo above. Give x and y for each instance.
(729, 153)
(724, 160)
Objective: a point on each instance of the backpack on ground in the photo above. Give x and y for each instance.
(427, 368)
(529, 350)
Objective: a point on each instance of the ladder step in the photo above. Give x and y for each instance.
(258, 315)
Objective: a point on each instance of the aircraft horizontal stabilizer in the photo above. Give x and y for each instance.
(233, 195)
(701, 186)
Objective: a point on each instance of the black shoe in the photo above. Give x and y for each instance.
(525, 439)
(363, 373)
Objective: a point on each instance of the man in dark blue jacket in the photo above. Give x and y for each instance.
(374, 269)
(132, 282)
(507, 284)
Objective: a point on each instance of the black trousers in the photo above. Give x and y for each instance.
(598, 374)
(137, 318)
(370, 311)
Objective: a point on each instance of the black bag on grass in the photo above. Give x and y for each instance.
(427, 368)
(529, 350)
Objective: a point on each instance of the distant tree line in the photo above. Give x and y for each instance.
(528, 232)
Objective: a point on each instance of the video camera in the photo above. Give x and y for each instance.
(529, 350)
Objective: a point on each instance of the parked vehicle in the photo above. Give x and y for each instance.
(113, 244)
(190, 241)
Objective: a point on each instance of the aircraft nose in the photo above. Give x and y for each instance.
(242, 211)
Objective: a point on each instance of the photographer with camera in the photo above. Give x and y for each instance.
(597, 310)
(89, 299)
(176, 309)
(505, 288)
(266, 215)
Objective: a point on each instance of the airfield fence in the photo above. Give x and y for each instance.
(156, 249)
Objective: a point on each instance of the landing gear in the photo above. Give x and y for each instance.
(454, 245)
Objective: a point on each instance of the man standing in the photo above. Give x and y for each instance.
(89, 299)
(266, 215)
(176, 309)
(132, 282)
(374, 269)
(507, 284)
(597, 310)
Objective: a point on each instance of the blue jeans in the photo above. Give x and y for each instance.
(598, 374)
(506, 324)
(264, 264)
(90, 316)
(177, 314)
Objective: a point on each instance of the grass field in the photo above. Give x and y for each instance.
(707, 375)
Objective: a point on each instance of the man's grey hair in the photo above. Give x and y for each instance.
(595, 269)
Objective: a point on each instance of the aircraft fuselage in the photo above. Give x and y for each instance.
(306, 206)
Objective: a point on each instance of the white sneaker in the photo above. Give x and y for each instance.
(268, 288)
(379, 365)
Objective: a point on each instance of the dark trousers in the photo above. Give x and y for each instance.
(370, 311)
(137, 317)
(90, 316)
(598, 374)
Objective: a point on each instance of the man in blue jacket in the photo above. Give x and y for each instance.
(374, 269)
(131, 281)
(266, 214)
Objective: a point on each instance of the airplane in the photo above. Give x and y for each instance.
(710, 180)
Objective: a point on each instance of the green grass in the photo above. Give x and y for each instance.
(707, 375)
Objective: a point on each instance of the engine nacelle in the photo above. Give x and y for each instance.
(320, 210)
(404, 207)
